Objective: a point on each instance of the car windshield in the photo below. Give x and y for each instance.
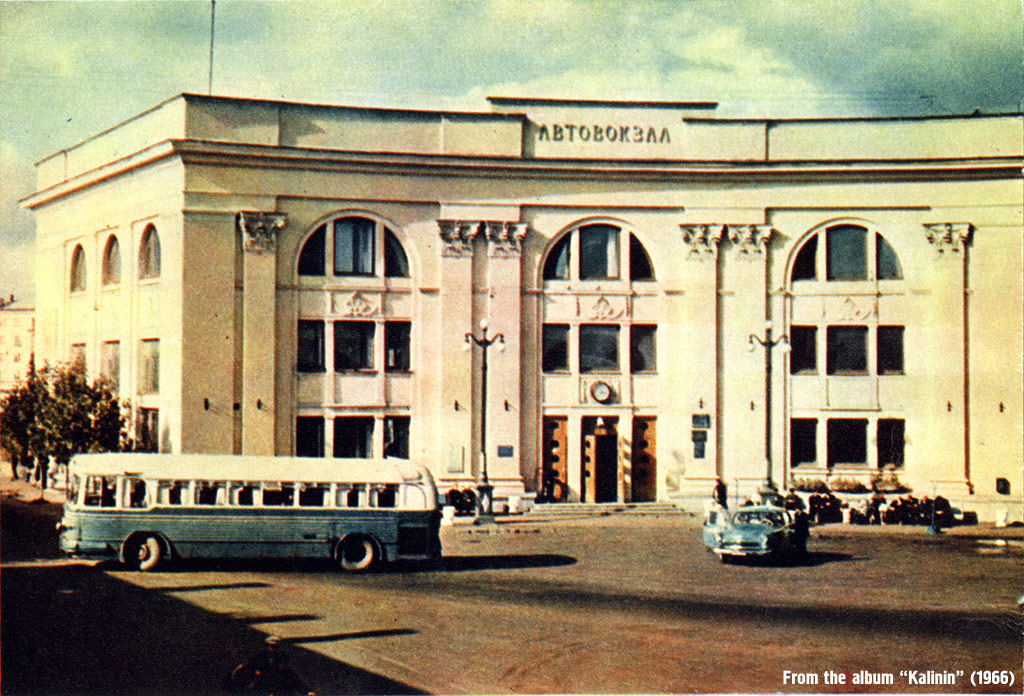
(766, 517)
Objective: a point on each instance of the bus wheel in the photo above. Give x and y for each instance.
(147, 554)
(356, 554)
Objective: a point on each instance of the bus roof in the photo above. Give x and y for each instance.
(227, 467)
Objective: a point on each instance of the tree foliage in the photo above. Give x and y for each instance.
(56, 413)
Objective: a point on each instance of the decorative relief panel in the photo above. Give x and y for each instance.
(703, 240)
(505, 238)
(458, 236)
(750, 241)
(355, 304)
(603, 309)
(949, 237)
(850, 308)
(259, 230)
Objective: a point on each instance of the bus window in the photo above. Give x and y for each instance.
(243, 494)
(75, 483)
(176, 494)
(134, 491)
(210, 493)
(99, 491)
(278, 494)
(312, 494)
(386, 496)
(351, 496)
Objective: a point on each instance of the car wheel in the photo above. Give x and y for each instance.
(356, 554)
(145, 555)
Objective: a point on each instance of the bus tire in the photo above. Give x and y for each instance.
(144, 553)
(356, 554)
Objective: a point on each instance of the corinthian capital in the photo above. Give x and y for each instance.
(505, 238)
(750, 241)
(458, 236)
(259, 230)
(949, 236)
(703, 240)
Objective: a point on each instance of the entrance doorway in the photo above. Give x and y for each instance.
(600, 470)
(644, 470)
(554, 483)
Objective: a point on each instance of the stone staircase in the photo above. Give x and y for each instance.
(602, 509)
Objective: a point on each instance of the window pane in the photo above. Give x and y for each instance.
(147, 430)
(309, 436)
(555, 356)
(599, 348)
(110, 363)
(641, 348)
(353, 437)
(353, 246)
(557, 265)
(396, 437)
(353, 345)
(887, 261)
(396, 346)
(149, 254)
(112, 262)
(847, 253)
(149, 366)
(805, 266)
(890, 350)
(599, 252)
(890, 442)
(640, 266)
(310, 349)
(803, 356)
(396, 264)
(847, 350)
(311, 260)
(847, 441)
(804, 441)
(77, 269)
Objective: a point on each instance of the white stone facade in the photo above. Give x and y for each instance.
(318, 269)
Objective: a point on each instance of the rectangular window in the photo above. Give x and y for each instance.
(599, 348)
(890, 443)
(803, 434)
(396, 437)
(76, 356)
(353, 437)
(353, 246)
(555, 351)
(599, 252)
(149, 366)
(847, 442)
(890, 350)
(110, 363)
(847, 350)
(147, 430)
(803, 354)
(309, 436)
(847, 256)
(353, 345)
(396, 346)
(641, 348)
(310, 349)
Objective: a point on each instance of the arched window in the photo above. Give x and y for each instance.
(847, 256)
(149, 253)
(351, 246)
(112, 262)
(597, 250)
(78, 269)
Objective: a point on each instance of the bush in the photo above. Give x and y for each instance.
(806, 485)
(888, 483)
(849, 486)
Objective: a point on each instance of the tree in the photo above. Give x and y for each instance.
(56, 414)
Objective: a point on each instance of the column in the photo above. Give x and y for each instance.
(259, 285)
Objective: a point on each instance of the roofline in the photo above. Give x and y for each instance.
(603, 103)
(848, 119)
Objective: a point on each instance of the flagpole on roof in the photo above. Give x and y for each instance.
(213, 8)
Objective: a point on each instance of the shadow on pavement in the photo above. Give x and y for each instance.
(73, 629)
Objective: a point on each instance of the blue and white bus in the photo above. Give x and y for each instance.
(148, 510)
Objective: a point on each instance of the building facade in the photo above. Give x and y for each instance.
(672, 297)
(17, 333)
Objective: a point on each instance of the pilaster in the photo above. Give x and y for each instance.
(259, 269)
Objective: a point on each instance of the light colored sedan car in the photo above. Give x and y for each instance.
(755, 531)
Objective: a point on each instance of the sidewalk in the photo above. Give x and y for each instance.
(25, 491)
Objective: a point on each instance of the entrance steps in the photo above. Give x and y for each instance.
(599, 509)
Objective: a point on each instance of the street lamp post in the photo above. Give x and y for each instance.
(484, 487)
(769, 489)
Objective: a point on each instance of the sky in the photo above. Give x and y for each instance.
(71, 69)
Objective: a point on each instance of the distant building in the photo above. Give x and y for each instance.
(266, 277)
(17, 332)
